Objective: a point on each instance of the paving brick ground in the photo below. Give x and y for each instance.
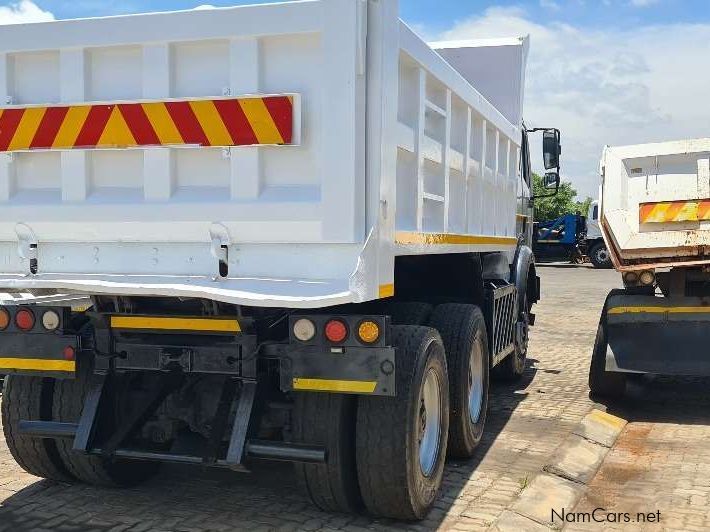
(527, 422)
(660, 463)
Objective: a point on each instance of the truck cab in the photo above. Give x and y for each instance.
(596, 248)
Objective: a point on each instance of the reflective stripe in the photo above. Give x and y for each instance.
(386, 290)
(37, 364)
(31, 119)
(406, 237)
(175, 324)
(221, 122)
(328, 385)
(674, 211)
(659, 310)
(262, 123)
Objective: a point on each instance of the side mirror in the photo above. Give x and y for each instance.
(551, 148)
(551, 180)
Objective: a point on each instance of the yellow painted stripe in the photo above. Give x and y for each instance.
(162, 123)
(689, 211)
(261, 122)
(175, 324)
(116, 134)
(406, 237)
(386, 290)
(27, 128)
(71, 127)
(211, 122)
(36, 364)
(659, 310)
(328, 385)
(606, 419)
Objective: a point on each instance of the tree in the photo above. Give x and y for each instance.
(564, 202)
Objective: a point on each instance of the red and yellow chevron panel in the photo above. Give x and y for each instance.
(223, 122)
(674, 211)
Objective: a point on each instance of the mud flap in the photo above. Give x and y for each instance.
(665, 336)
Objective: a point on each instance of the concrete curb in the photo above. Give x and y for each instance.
(564, 478)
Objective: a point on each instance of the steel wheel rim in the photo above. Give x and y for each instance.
(475, 382)
(429, 422)
(602, 255)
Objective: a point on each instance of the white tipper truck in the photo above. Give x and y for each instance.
(655, 218)
(304, 235)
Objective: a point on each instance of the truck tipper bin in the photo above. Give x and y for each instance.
(655, 218)
(303, 233)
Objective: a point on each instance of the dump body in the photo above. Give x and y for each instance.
(656, 204)
(267, 155)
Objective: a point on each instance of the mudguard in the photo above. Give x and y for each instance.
(523, 262)
(665, 336)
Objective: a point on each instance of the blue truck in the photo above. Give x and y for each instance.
(572, 237)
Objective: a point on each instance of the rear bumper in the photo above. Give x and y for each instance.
(37, 354)
(666, 336)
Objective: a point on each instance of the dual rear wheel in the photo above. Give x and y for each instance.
(396, 466)
(42, 399)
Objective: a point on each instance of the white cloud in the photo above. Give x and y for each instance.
(549, 4)
(600, 87)
(22, 12)
(643, 3)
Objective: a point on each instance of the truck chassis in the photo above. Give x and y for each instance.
(133, 382)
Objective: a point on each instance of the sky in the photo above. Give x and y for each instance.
(603, 71)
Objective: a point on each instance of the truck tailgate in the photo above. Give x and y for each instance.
(162, 148)
(656, 203)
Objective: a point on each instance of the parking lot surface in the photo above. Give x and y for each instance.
(657, 475)
(527, 421)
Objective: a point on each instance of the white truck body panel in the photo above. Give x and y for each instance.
(496, 67)
(395, 153)
(594, 231)
(672, 181)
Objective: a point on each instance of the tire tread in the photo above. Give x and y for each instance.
(24, 398)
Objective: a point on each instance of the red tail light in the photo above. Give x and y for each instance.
(336, 331)
(69, 353)
(24, 319)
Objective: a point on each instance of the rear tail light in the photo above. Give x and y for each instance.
(647, 277)
(631, 278)
(336, 331)
(69, 353)
(368, 332)
(304, 330)
(4, 319)
(50, 320)
(25, 319)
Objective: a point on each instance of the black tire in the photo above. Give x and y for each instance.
(391, 478)
(599, 256)
(69, 398)
(463, 330)
(30, 399)
(409, 313)
(602, 383)
(328, 420)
